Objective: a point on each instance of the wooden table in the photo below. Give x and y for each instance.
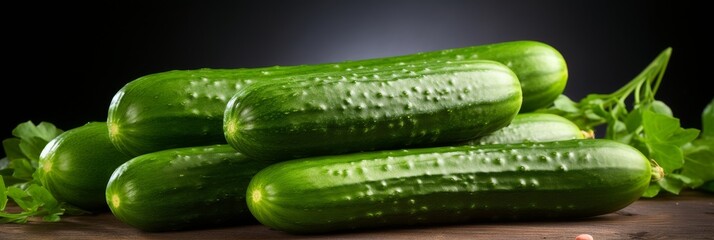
(689, 216)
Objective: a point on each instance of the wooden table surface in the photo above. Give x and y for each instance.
(689, 216)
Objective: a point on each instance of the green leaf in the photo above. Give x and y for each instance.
(564, 104)
(671, 184)
(699, 162)
(45, 131)
(600, 111)
(43, 197)
(35, 201)
(658, 127)
(686, 181)
(683, 136)
(32, 147)
(652, 190)
(21, 198)
(33, 138)
(668, 156)
(12, 218)
(55, 217)
(639, 143)
(618, 131)
(9, 179)
(649, 125)
(708, 120)
(23, 169)
(595, 99)
(73, 210)
(661, 108)
(19, 180)
(4, 164)
(634, 120)
(23, 151)
(12, 148)
(3, 195)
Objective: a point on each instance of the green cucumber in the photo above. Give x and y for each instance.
(561, 180)
(182, 108)
(183, 188)
(424, 104)
(76, 165)
(533, 127)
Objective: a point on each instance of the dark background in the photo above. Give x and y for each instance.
(64, 62)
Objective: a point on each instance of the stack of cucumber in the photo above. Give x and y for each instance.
(428, 138)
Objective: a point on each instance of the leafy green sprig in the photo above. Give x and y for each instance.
(633, 116)
(698, 169)
(18, 179)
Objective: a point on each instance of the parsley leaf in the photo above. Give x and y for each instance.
(708, 121)
(633, 116)
(17, 182)
(699, 154)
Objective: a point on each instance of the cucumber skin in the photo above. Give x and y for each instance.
(531, 181)
(179, 108)
(425, 104)
(533, 127)
(183, 108)
(183, 188)
(76, 165)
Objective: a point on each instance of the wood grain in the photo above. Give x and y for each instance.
(688, 216)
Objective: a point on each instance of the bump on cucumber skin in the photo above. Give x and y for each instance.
(76, 165)
(423, 105)
(159, 111)
(530, 181)
(183, 188)
(532, 127)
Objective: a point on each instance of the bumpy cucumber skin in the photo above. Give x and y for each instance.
(183, 108)
(530, 181)
(541, 69)
(172, 109)
(183, 188)
(76, 165)
(422, 105)
(533, 127)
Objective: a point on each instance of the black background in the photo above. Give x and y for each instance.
(64, 62)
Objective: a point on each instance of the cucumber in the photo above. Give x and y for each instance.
(76, 165)
(183, 188)
(533, 127)
(424, 104)
(182, 108)
(553, 180)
